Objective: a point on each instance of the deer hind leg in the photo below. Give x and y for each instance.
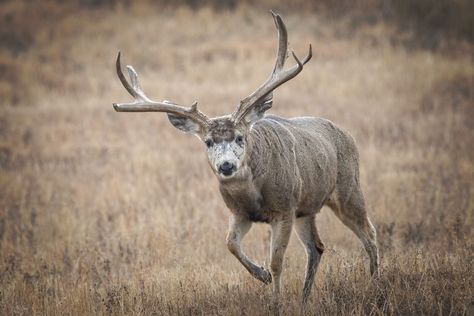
(353, 214)
(238, 227)
(305, 228)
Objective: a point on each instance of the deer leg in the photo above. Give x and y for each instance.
(307, 233)
(238, 227)
(354, 215)
(281, 231)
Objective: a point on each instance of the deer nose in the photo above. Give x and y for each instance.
(226, 168)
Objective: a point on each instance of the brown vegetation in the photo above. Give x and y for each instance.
(106, 213)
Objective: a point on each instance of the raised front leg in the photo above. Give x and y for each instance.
(281, 231)
(238, 227)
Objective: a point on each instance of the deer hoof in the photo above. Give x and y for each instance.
(264, 275)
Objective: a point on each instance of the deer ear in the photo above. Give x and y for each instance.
(258, 111)
(185, 124)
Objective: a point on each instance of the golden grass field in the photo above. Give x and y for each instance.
(118, 213)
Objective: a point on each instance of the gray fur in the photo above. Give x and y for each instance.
(293, 165)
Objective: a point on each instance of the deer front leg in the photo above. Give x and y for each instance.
(238, 227)
(281, 231)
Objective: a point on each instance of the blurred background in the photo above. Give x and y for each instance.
(119, 213)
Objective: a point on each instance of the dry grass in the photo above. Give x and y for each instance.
(108, 213)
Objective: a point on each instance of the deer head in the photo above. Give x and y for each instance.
(225, 137)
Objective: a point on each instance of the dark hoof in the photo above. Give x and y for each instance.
(263, 275)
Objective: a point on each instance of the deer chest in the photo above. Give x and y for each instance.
(249, 204)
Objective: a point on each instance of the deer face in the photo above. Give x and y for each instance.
(225, 139)
(226, 147)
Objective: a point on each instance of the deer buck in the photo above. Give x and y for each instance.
(274, 170)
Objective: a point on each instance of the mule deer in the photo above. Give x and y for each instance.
(274, 170)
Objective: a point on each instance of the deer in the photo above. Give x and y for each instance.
(274, 170)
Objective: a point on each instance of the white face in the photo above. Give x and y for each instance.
(226, 155)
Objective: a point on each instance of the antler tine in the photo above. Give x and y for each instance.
(282, 42)
(278, 77)
(309, 56)
(122, 78)
(143, 104)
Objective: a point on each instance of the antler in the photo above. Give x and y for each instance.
(143, 104)
(264, 93)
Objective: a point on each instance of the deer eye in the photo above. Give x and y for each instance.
(209, 143)
(239, 140)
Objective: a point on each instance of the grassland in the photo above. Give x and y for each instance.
(109, 213)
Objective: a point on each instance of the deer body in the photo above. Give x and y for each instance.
(274, 170)
(292, 167)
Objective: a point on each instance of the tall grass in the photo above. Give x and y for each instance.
(108, 213)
